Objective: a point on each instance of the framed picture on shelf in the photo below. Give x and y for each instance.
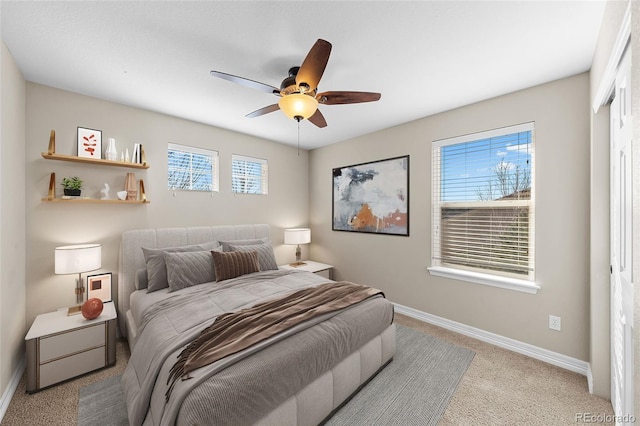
(99, 286)
(372, 197)
(89, 143)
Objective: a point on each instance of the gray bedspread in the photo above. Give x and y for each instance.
(238, 389)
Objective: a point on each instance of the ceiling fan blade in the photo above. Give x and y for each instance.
(263, 111)
(246, 82)
(318, 119)
(336, 98)
(314, 64)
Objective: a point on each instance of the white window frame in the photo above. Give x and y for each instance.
(477, 275)
(262, 181)
(215, 170)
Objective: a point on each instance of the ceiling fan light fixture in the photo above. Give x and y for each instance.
(298, 105)
(299, 97)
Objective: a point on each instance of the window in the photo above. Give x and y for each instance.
(192, 169)
(249, 175)
(483, 211)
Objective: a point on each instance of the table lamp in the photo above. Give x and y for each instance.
(77, 259)
(297, 236)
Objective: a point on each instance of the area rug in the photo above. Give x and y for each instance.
(413, 389)
(102, 403)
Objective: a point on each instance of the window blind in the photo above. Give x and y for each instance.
(249, 175)
(483, 210)
(192, 169)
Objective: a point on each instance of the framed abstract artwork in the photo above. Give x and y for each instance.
(99, 286)
(372, 197)
(89, 143)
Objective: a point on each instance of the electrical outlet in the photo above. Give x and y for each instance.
(555, 323)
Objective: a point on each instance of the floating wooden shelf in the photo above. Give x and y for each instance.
(93, 200)
(76, 159)
(51, 155)
(52, 196)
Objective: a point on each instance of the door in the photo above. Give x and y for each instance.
(621, 285)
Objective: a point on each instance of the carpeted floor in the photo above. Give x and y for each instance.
(58, 405)
(502, 387)
(499, 388)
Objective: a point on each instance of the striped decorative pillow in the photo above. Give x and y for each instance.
(266, 258)
(226, 244)
(157, 267)
(185, 269)
(233, 264)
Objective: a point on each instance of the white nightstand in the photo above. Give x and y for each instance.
(60, 347)
(310, 266)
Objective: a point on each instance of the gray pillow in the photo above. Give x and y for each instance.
(266, 258)
(226, 245)
(157, 268)
(185, 269)
(141, 280)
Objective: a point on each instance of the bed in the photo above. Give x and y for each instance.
(297, 376)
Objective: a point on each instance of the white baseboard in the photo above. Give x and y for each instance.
(11, 388)
(554, 358)
(590, 379)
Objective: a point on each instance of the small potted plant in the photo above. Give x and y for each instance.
(72, 186)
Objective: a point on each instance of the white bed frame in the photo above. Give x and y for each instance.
(313, 403)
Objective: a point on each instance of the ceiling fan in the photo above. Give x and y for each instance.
(299, 97)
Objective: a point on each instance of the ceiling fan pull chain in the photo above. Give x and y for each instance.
(298, 137)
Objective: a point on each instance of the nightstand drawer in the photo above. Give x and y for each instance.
(61, 346)
(72, 366)
(72, 341)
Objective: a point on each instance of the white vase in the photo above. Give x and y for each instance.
(111, 153)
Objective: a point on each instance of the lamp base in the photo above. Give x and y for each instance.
(74, 310)
(297, 264)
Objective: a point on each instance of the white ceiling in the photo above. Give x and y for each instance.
(424, 57)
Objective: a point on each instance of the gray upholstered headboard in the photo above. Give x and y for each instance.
(131, 257)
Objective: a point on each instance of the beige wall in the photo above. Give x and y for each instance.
(398, 265)
(53, 224)
(12, 222)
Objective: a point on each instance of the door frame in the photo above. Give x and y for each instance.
(608, 80)
(601, 98)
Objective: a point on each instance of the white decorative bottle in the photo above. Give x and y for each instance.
(110, 153)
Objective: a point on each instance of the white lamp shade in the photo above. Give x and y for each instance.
(297, 236)
(78, 258)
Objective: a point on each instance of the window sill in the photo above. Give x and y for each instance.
(485, 279)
